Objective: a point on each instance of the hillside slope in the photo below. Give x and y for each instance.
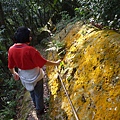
(91, 75)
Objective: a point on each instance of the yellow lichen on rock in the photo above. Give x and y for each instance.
(91, 75)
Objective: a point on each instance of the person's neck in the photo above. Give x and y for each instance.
(22, 43)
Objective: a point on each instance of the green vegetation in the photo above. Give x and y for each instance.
(37, 14)
(103, 12)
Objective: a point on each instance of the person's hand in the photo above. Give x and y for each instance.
(58, 62)
(15, 76)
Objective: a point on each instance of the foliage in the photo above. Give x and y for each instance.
(100, 11)
(10, 95)
(57, 46)
(8, 112)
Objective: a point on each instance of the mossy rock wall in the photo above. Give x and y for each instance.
(91, 75)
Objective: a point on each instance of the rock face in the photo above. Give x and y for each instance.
(91, 75)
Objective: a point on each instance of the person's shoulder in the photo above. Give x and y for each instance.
(31, 48)
(11, 47)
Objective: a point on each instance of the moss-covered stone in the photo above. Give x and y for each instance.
(93, 61)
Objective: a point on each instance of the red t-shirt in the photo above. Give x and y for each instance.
(24, 57)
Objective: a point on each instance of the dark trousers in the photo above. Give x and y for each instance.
(37, 95)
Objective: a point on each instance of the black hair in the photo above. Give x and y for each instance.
(22, 35)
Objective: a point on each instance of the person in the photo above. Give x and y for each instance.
(29, 63)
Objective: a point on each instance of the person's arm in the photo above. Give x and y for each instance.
(39, 60)
(14, 73)
(52, 63)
